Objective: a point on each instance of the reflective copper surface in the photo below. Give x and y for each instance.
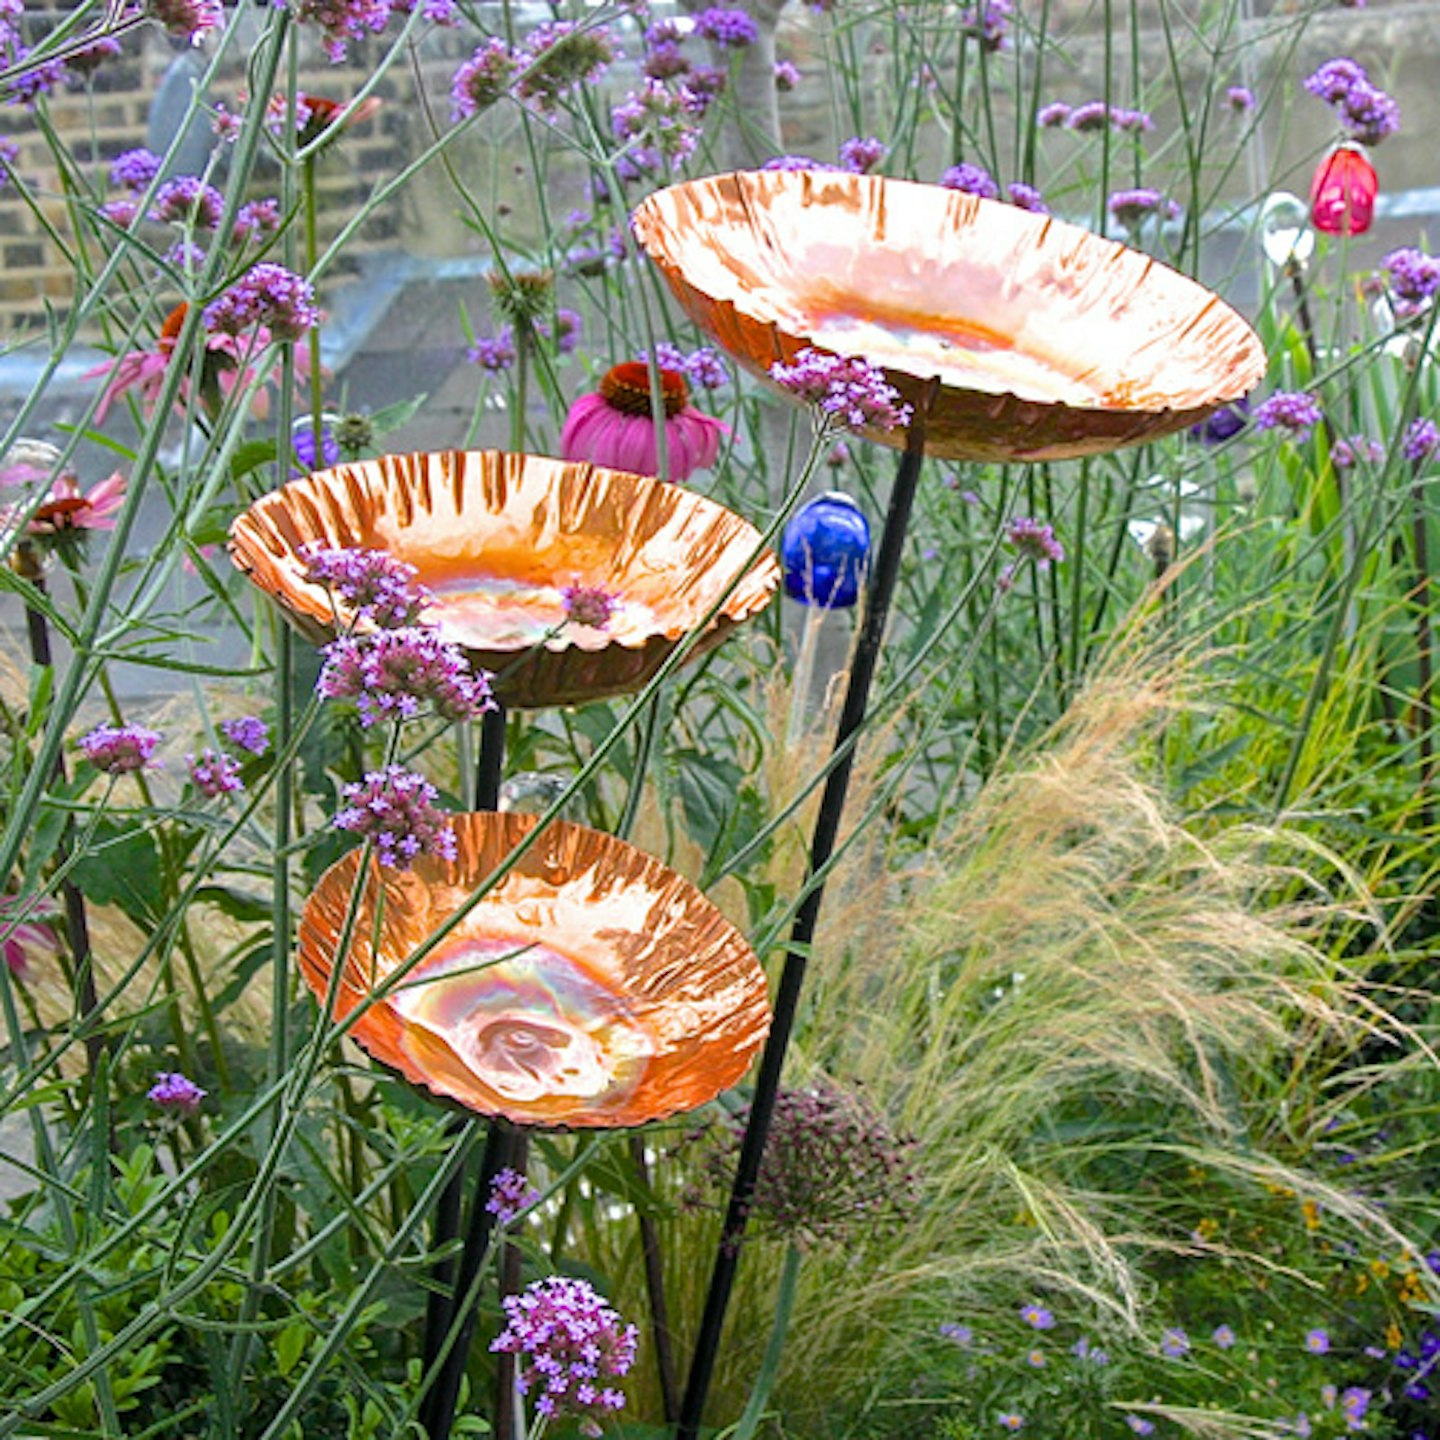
(1047, 340)
(592, 987)
(498, 537)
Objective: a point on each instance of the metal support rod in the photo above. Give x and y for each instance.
(655, 1287)
(822, 846)
(448, 1285)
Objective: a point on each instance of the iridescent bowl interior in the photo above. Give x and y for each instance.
(498, 538)
(1021, 336)
(591, 987)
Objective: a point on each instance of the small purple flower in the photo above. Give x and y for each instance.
(396, 809)
(565, 332)
(846, 391)
(266, 295)
(303, 442)
(1130, 122)
(1175, 1343)
(731, 28)
(257, 217)
(988, 22)
(567, 1340)
(1227, 422)
(1011, 1420)
(390, 674)
(1037, 1317)
(1053, 115)
(1132, 208)
(956, 1334)
(1035, 541)
(175, 1093)
(1333, 80)
(787, 76)
(1355, 1402)
(248, 733)
(120, 749)
(482, 79)
(1240, 99)
(1301, 1426)
(135, 169)
(1294, 411)
(185, 255)
(589, 605)
(1420, 441)
(373, 583)
(795, 162)
(1140, 1425)
(495, 353)
(971, 180)
(214, 774)
(1346, 455)
(186, 200)
(1223, 1337)
(9, 155)
(1414, 278)
(1366, 111)
(560, 56)
(1026, 197)
(186, 19)
(1317, 1342)
(862, 153)
(666, 60)
(1035, 1359)
(510, 1194)
(1085, 119)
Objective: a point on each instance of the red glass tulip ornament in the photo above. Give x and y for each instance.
(1342, 194)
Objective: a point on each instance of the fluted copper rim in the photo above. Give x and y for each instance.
(498, 537)
(1047, 340)
(591, 988)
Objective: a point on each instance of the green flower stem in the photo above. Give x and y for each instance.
(770, 1363)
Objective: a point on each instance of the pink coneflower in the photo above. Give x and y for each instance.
(24, 939)
(66, 511)
(614, 426)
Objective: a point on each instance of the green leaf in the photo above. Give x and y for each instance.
(290, 1346)
(123, 868)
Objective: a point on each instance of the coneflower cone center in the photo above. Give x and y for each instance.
(627, 388)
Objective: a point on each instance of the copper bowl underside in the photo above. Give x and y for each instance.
(1048, 341)
(591, 988)
(497, 537)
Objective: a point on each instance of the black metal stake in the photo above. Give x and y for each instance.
(505, 1401)
(660, 1333)
(822, 846)
(448, 1287)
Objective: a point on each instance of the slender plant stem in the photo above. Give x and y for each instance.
(774, 1347)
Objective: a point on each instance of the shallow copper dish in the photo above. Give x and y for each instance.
(497, 537)
(592, 987)
(1048, 341)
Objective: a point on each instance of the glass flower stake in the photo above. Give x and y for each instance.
(1343, 191)
(1005, 335)
(592, 987)
(503, 543)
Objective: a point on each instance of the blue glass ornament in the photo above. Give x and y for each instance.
(825, 552)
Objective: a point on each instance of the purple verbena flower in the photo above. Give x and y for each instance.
(185, 255)
(734, 29)
(1128, 121)
(175, 1093)
(702, 367)
(972, 180)
(1240, 99)
(1026, 197)
(558, 57)
(567, 1340)
(564, 332)
(214, 774)
(1347, 454)
(1091, 116)
(1053, 115)
(1420, 441)
(396, 809)
(1132, 208)
(186, 19)
(1035, 541)
(1226, 422)
(248, 733)
(135, 169)
(482, 79)
(510, 1194)
(1333, 80)
(187, 200)
(589, 605)
(266, 295)
(257, 217)
(787, 75)
(1366, 111)
(391, 674)
(987, 21)
(1414, 278)
(372, 583)
(494, 353)
(862, 153)
(795, 162)
(665, 61)
(1291, 410)
(120, 749)
(303, 443)
(846, 391)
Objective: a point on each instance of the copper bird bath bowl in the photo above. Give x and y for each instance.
(498, 537)
(591, 988)
(1046, 340)
(1013, 337)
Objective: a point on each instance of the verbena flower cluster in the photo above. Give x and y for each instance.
(511, 1194)
(833, 1168)
(702, 367)
(267, 296)
(175, 1093)
(1420, 441)
(1414, 278)
(1294, 411)
(372, 583)
(248, 733)
(396, 809)
(862, 153)
(121, 749)
(1132, 208)
(588, 605)
(987, 21)
(391, 674)
(845, 391)
(972, 180)
(569, 1343)
(1093, 116)
(1034, 540)
(730, 28)
(1366, 112)
(214, 773)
